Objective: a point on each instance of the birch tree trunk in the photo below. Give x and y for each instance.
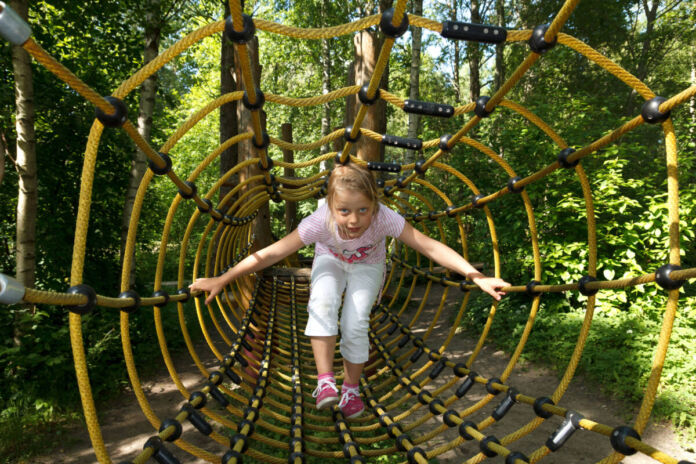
(26, 167)
(148, 92)
(26, 158)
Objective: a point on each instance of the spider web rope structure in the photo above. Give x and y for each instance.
(257, 404)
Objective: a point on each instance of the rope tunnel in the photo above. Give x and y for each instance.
(422, 400)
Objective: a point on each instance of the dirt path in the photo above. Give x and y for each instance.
(125, 428)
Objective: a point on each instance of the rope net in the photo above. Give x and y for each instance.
(256, 405)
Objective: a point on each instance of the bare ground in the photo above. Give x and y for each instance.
(125, 428)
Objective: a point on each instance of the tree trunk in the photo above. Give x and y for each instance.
(474, 52)
(367, 46)
(500, 48)
(646, 49)
(228, 111)
(414, 81)
(4, 153)
(148, 93)
(325, 88)
(26, 166)
(455, 70)
(262, 223)
(288, 157)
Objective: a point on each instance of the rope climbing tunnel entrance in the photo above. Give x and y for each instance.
(423, 400)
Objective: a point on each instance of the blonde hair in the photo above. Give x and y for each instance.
(353, 177)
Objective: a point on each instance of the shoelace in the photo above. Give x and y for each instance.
(347, 395)
(322, 384)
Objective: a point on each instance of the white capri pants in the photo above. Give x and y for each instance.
(362, 283)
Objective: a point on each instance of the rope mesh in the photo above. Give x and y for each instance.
(258, 398)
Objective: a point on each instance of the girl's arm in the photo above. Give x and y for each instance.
(447, 257)
(252, 263)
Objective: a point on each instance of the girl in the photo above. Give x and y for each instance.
(349, 232)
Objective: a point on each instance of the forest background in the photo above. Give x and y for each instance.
(106, 41)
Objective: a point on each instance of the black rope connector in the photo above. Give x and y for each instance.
(505, 405)
(537, 43)
(650, 111)
(448, 418)
(514, 456)
(419, 352)
(466, 384)
(511, 185)
(538, 407)
(217, 395)
(160, 171)
(160, 454)
(86, 290)
(243, 36)
(529, 288)
(489, 385)
(462, 430)
(202, 399)
(416, 451)
(362, 95)
(217, 215)
(177, 429)
(437, 369)
(232, 454)
(563, 158)
(444, 142)
(389, 190)
(582, 285)
(475, 201)
(163, 293)
(208, 204)
(402, 142)
(265, 142)
(136, 301)
(184, 291)
(346, 134)
(419, 167)
(618, 439)
(197, 420)
(337, 161)
(449, 211)
(663, 279)
(565, 430)
(480, 109)
(483, 446)
(260, 100)
(428, 108)
(118, 117)
(401, 181)
(383, 167)
(483, 33)
(433, 406)
(192, 191)
(380, 183)
(388, 29)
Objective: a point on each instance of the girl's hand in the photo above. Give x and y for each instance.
(212, 285)
(490, 285)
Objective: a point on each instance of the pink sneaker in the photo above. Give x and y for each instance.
(326, 393)
(351, 405)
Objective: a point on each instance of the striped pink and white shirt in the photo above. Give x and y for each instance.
(369, 248)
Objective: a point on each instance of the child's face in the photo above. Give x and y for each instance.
(352, 212)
